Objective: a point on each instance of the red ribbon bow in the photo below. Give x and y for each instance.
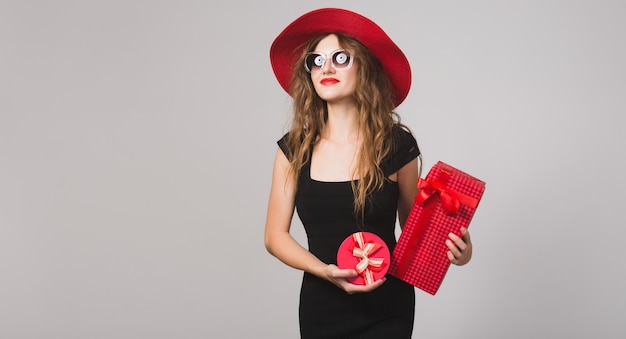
(366, 265)
(450, 200)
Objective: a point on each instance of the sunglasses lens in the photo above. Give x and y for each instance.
(314, 61)
(341, 59)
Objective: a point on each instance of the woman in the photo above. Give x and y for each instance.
(347, 165)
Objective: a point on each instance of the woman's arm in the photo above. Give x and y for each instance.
(407, 183)
(283, 246)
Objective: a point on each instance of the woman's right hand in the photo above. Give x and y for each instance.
(340, 277)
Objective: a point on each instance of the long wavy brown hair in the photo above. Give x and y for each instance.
(375, 100)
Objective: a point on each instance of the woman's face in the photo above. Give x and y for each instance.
(334, 84)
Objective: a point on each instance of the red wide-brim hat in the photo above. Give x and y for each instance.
(287, 47)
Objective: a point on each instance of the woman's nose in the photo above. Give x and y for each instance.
(327, 67)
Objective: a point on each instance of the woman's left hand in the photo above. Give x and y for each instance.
(460, 249)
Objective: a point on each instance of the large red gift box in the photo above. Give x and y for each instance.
(446, 201)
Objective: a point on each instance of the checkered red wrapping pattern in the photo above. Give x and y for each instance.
(427, 260)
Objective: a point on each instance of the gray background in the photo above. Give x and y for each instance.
(137, 140)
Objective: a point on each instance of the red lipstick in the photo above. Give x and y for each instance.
(329, 81)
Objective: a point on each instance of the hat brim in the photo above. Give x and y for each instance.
(287, 46)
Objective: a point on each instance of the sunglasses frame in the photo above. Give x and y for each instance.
(326, 58)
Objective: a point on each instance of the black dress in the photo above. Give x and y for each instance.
(326, 211)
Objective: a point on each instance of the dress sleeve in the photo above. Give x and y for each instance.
(282, 143)
(404, 150)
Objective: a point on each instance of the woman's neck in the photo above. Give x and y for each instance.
(342, 125)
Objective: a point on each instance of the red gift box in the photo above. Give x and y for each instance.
(367, 253)
(446, 201)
